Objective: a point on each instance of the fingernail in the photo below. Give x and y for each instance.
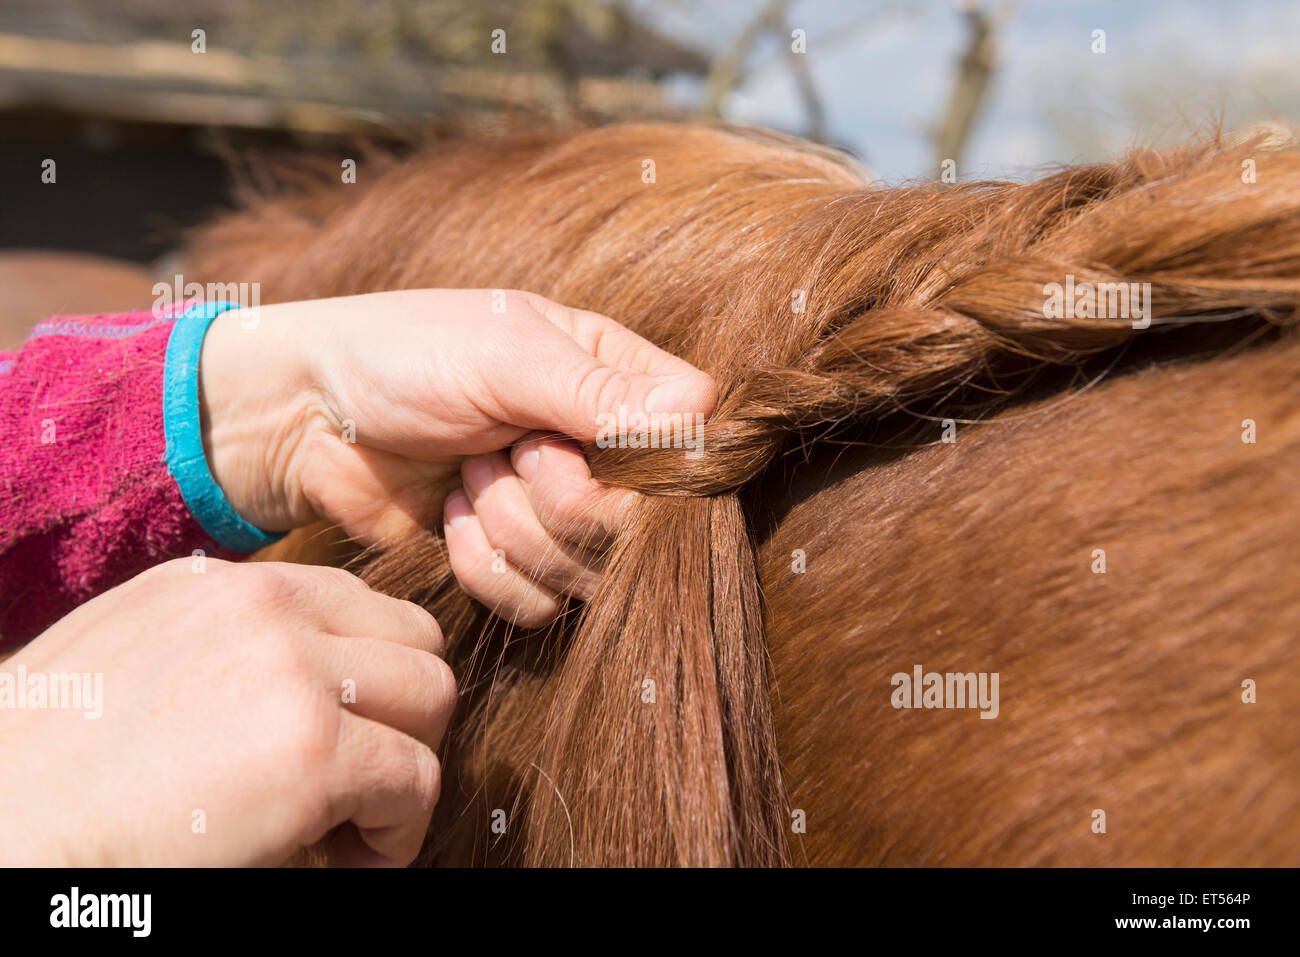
(670, 395)
(478, 474)
(525, 460)
(457, 510)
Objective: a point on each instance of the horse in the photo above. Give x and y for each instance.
(969, 571)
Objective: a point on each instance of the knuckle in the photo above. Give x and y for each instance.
(340, 577)
(584, 586)
(175, 566)
(523, 308)
(520, 302)
(600, 388)
(305, 752)
(313, 734)
(425, 625)
(480, 587)
(592, 381)
(443, 680)
(406, 764)
(304, 730)
(263, 585)
(181, 570)
(514, 531)
(426, 774)
(316, 577)
(473, 571)
(563, 505)
(537, 613)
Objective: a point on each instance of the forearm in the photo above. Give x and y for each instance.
(87, 497)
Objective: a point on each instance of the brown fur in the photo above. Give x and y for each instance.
(1120, 692)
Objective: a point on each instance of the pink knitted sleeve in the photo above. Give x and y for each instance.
(86, 500)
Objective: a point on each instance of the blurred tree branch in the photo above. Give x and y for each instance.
(803, 79)
(971, 84)
(728, 69)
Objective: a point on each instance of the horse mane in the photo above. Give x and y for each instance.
(822, 304)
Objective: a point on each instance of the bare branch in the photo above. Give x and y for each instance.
(971, 85)
(727, 70)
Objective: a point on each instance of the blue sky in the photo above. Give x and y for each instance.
(884, 69)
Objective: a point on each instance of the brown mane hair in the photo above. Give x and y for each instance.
(830, 311)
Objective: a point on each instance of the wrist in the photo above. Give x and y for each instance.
(256, 406)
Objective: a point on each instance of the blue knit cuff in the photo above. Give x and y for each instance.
(185, 457)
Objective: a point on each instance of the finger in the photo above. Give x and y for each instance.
(343, 604)
(583, 386)
(345, 847)
(568, 502)
(486, 575)
(406, 689)
(609, 341)
(510, 524)
(386, 783)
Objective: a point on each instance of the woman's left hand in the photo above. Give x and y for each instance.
(379, 411)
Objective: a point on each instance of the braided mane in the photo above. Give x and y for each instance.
(819, 302)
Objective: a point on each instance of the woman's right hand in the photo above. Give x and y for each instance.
(248, 710)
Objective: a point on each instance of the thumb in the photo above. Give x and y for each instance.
(582, 395)
(605, 397)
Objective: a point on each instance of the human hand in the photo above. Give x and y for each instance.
(223, 703)
(379, 411)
